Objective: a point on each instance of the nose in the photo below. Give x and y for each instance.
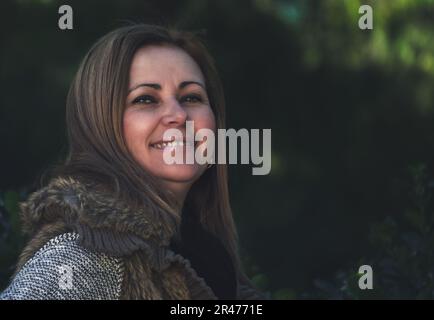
(174, 114)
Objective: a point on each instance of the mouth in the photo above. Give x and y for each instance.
(161, 145)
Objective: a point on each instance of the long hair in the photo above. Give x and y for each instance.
(97, 149)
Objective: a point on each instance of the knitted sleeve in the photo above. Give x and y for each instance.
(64, 270)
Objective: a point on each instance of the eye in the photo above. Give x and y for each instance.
(192, 98)
(145, 99)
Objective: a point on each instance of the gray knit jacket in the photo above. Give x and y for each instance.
(87, 245)
(64, 270)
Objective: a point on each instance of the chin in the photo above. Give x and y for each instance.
(181, 173)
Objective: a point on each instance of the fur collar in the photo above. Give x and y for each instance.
(109, 225)
(103, 222)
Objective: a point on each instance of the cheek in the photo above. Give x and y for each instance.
(136, 130)
(203, 118)
(129, 128)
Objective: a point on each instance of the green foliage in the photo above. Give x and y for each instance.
(401, 253)
(11, 239)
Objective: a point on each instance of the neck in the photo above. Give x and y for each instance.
(179, 191)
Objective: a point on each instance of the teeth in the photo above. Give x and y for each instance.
(169, 144)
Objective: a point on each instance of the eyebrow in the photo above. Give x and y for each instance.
(156, 86)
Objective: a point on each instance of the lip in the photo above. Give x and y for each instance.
(161, 144)
(164, 141)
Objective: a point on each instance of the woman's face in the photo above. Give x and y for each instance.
(166, 89)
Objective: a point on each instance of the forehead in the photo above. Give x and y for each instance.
(163, 62)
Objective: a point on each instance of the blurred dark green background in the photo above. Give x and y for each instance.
(351, 113)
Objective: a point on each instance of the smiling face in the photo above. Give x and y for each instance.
(166, 89)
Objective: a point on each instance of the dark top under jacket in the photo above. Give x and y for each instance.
(207, 256)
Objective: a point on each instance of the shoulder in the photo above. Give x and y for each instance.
(63, 269)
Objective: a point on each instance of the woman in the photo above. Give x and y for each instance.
(116, 221)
